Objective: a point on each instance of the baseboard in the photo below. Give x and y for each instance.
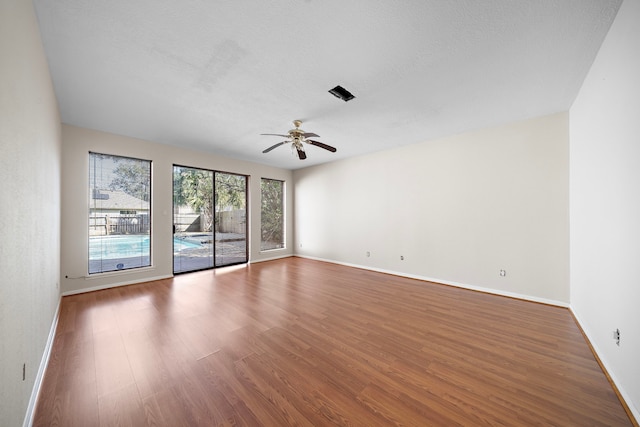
(446, 282)
(631, 410)
(115, 285)
(44, 362)
(254, 261)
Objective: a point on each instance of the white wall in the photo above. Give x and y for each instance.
(29, 208)
(77, 142)
(605, 203)
(458, 209)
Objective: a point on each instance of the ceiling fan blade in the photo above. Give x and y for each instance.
(275, 134)
(301, 154)
(310, 135)
(322, 145)
(274, 146)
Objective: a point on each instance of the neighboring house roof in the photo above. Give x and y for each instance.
(117, 200)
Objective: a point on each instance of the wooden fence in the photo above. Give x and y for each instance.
(121, 224)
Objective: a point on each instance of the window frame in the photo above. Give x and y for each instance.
(138, 221)
(283, 244)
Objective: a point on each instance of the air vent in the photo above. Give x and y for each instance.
(342, 93)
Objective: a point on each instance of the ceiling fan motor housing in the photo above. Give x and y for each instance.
(298, 137)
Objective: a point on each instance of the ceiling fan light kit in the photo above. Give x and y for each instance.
(298, 137)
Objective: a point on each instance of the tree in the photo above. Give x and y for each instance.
(271, 217)
(230, 191)
(194, 188)
(132, 177)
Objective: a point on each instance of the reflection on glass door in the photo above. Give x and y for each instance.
(230, 219)
(209, 219)
(192, 219)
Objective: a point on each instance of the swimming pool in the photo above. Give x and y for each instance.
(114, 247)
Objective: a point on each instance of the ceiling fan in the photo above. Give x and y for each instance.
(297, 137)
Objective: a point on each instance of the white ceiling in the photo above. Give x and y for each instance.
(212, 75)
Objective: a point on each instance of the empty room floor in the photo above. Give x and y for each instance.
(304, 342)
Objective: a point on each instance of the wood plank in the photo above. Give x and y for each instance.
(121, 407)
(113, 371)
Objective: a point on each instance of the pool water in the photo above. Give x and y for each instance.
(180, 243)
(113, 247)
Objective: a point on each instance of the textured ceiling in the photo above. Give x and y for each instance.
(213, 75)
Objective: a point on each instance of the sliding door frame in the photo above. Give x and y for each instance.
(246, 221)
(214, 220)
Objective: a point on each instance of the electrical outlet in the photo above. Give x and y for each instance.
(616, 336)
(503, 273)
(368, 254)
(401, 258)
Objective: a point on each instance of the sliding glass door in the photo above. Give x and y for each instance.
(192, 219)
(209, 219)
(230, 219)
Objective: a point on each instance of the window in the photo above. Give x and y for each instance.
(119, 213)
(272, 214)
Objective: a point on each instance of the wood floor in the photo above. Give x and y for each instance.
(302, 342)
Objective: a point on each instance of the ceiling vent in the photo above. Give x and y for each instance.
(342, 93)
